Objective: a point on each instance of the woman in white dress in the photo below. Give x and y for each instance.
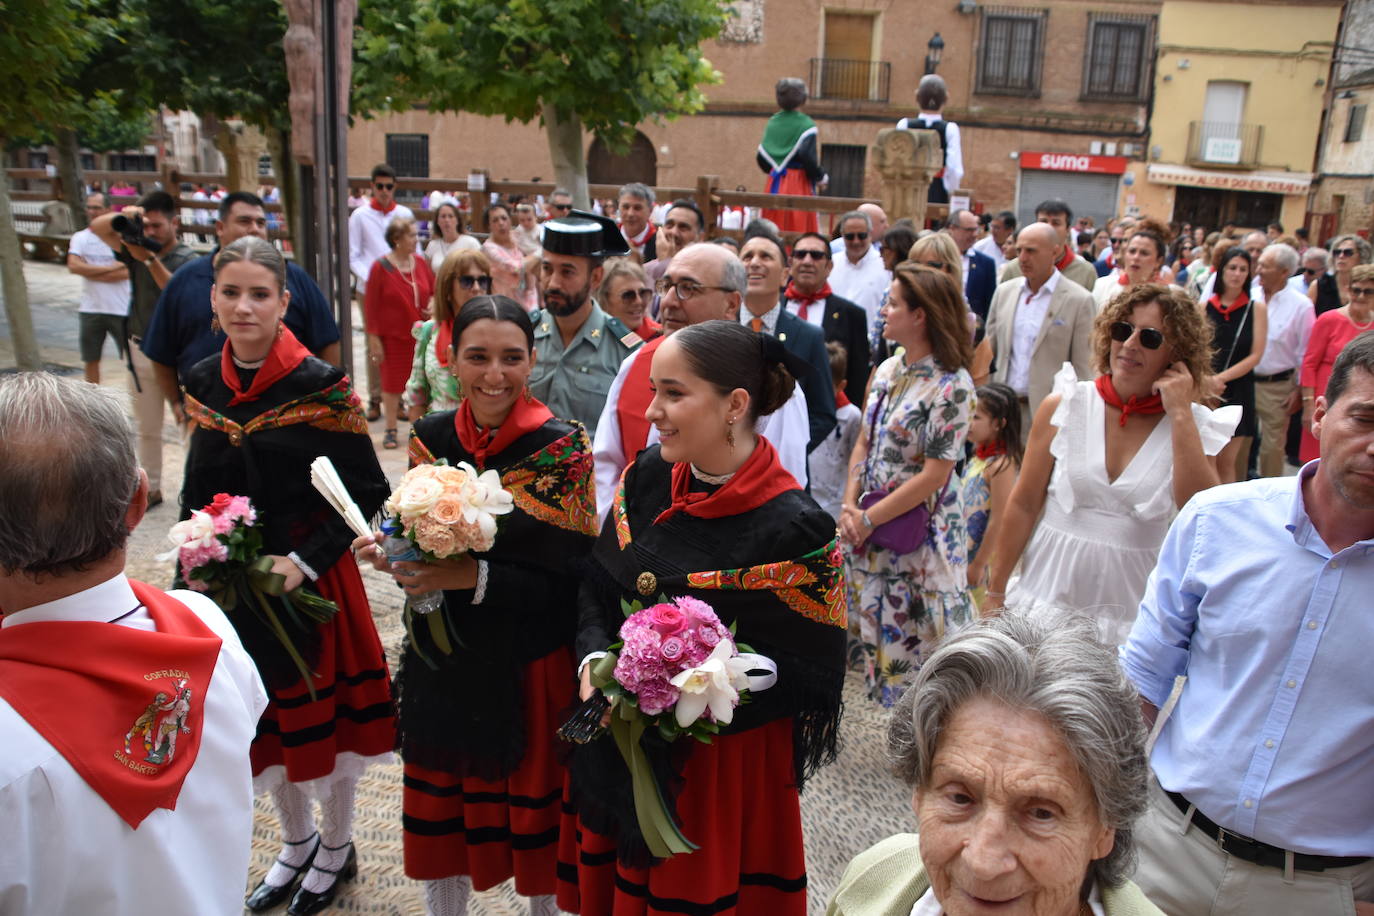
(1141, 261)
(448, 235)
(1111, 462)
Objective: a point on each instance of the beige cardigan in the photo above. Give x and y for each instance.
(889, 878)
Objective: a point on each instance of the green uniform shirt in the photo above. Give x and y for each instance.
(573, 380)
(143, 301)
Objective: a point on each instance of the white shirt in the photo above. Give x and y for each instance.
(1030, 314)
(1290, 324)
(769, 318)
(988, 245)
(927, 905)
(367, 238)
(99, 297)
(863, 284)
(1298, 284)
(789, 430)
(815, 312)
(438, 249)
(830, 460)
(954, 152)
(64, 850)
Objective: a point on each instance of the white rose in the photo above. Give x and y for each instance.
(416, 497)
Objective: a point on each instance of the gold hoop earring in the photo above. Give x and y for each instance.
(214, 325)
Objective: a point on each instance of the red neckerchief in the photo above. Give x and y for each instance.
(990, 449)
(1125, 281)
(635, 396)
(758, 480)
(443, 339)
(1225, 311)
(93, 689)
(806, 299)
(1111, 259)
(1069, 255)
(648, 329)
(1151, 405)
(648, 232)
(286, 354)
(841, 400)
(376, 206)
(525, 416)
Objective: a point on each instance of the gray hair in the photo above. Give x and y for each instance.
(67, 449)
(790, 93)
(257, 251)
(1057, 669)
(561, 192)
(1318, 254)
(1286, 255)
(1360, 245)
(858, 214)
(615, 268)
(734, 277)
(636, 189)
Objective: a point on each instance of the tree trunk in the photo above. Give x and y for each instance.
(69, 170)
(569, 159)
(26, 352)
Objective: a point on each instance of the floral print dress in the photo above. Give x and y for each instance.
(904, 603)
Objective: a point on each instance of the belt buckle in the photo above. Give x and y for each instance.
(1249, 850)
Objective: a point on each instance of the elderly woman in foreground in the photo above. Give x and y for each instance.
(1023, 743)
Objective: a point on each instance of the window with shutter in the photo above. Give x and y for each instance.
(1011, 49)
(1117, 66)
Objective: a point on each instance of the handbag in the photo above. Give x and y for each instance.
(911, 530)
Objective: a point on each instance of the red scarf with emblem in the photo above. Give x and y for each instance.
(635, 397)
(286, 354)
(1107, 389)
(758, 480)
(93, 689)
(806, 300)
(526, 415)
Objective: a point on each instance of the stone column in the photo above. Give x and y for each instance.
(907, 161)
(241, 145)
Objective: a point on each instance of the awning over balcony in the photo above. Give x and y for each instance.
(1266, 182)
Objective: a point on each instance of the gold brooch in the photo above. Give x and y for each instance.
(236, 437)
(647, 583)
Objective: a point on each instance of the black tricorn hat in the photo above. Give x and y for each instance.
(584, 235)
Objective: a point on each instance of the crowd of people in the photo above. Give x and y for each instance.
(984, 466)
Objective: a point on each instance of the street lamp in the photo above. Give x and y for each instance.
(934, 48)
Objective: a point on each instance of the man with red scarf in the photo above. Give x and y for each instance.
(126, 712)
(366, 243)
(1057, 215)
(808, 296)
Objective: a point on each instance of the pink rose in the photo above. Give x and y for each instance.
(241, 508)
(696, 609)
(672, 649)
(708, 634)
(656, 696)
(667, 619)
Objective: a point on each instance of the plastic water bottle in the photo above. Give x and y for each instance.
(399, 549)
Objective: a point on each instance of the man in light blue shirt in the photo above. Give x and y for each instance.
(1263, 598)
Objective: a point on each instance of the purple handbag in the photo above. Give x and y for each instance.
(909, 531)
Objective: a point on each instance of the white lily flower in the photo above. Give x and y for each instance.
(198, 530)
(714, 684)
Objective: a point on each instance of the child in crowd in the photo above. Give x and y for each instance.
(829, 465)
(995, 433)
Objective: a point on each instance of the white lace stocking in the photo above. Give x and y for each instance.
(448, 896)
(297, 831)
(544, 905)
(336, 830)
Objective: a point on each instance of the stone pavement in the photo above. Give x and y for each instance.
(846, 808)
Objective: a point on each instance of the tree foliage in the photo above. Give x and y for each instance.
(611, 63)
(42, 45)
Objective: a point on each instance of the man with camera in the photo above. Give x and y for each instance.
(144, 239)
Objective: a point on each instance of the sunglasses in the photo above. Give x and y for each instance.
(1150, 338)
(1309, 271)
(855, 236)
(470, 282)
(560, 206)
(1116, 242)
(1359, 292)
(801, 254)
(630, 296)
(1345, 252)
(384, 187)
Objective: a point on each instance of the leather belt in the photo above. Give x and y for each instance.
(1283, 376)
(1242, 847)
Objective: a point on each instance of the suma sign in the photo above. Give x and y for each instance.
(1073, 162)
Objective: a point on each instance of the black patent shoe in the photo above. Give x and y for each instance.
(307, 902)
(265, 896)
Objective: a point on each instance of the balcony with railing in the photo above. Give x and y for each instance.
(851, 80)
(1220, 144)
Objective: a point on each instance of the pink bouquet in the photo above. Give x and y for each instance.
(679, 670)
(219, 552)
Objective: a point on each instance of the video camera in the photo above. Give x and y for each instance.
(130, 229)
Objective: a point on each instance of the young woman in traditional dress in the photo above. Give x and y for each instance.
(711, 513)
(485, 679)
(265, 409)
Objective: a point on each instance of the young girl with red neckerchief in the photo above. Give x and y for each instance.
(995, 433)
(484, 679)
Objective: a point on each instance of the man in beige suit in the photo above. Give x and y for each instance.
(1039, 321)
(1057, 215)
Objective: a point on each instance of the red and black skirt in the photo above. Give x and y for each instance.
(352, 711)
(739, 804)
(492, 830)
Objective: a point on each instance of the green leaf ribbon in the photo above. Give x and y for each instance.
(661, 833)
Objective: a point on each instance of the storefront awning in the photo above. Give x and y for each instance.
(1266, 182)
